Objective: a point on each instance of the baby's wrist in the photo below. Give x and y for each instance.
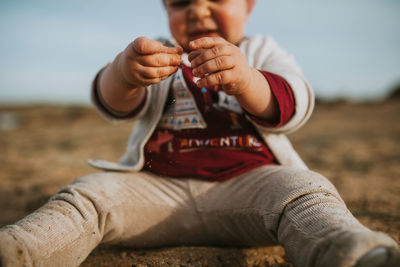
(122, 75)
(248, 82)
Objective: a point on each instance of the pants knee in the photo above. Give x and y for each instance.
(288, 184)
(87, 195)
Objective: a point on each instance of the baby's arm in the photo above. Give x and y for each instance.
(219, 62)
(144, 62)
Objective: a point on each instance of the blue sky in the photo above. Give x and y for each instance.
(50, 50)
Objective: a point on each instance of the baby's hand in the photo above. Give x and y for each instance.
(218, 62)
(145, 62)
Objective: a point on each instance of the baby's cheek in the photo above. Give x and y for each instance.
(178, 27)
(231, 24)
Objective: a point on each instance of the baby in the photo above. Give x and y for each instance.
(208, 162)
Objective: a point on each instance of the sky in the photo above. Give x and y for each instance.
(50, 50)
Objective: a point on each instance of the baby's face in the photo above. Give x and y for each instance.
(193, 19)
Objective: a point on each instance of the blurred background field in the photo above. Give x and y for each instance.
(357, 146)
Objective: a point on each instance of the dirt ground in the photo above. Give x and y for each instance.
(357, 146)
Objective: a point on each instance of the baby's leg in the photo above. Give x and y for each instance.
(106, 207)
(296, 208)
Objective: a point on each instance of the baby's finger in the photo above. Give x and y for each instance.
(156, 72)
(209, 54)
(206, 42)
(192, 55)
(217, 78)
(172, 50)
(160, 60)
(150, 81)
(214, 65)
(146, 46)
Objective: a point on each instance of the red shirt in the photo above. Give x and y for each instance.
(229, 145)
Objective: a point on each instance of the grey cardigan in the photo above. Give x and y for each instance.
(262, 53)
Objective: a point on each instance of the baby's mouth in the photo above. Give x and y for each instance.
(199, 34)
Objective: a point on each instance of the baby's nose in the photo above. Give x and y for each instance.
(199, 10)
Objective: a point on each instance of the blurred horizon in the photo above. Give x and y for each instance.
(51, 50)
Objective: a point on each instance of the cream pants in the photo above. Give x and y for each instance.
(270, 205)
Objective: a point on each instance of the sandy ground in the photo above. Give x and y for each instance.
(356, 146)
